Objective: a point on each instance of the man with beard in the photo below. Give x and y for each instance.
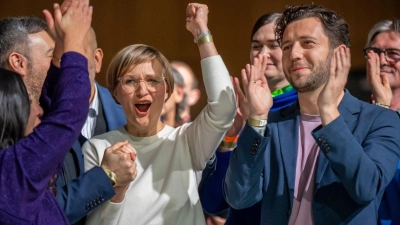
(326, 159)
(383, 72)
(27, 49)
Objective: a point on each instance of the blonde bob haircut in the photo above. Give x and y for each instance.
(132, 56)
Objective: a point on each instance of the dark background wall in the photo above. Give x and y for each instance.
(161, 23)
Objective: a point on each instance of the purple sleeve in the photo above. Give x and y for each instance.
(48, 87)
(28, 165)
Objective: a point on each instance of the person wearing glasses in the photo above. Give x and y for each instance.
(383, 72)
(169, 160)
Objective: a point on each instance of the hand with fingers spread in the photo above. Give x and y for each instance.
(379, 84)
(120, 159)
(196, 18)
(256, 90)
(241, 98)
(333, 91)
(70, 24)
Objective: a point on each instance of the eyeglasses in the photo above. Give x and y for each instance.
(391, 55)
(131, 83)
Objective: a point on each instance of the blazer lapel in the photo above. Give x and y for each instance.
(288, 133)
(113, 113)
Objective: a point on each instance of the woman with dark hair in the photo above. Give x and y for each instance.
(263, 42)
(29, 157)
(14, 110)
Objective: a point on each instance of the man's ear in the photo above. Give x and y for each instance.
(193, 97)
(339, 47)
(179, 94)
(18, 63)
(98, 57)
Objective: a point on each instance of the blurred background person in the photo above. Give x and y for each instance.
(192, 92)
(383, 74)
(169, 113)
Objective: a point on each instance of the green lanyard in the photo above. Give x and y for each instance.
(282, 90)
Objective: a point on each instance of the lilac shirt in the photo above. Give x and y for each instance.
(27, 167)
(307, 155)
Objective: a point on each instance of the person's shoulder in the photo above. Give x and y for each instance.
(379, 114)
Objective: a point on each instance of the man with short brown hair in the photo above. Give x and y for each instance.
(326, 159)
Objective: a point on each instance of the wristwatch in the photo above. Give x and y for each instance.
(257, 123)
(111, 175)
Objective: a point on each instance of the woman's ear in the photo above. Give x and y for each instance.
(115, 94)
(166, 95)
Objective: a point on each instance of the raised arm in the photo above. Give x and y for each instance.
(33, 160)
(218, 115)
(244, 179)
(196, 23)
(379, 84)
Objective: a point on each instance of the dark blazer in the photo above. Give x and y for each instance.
(359, 154)
(80, 196)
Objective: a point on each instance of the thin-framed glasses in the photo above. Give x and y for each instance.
(391, 55)
(131, 83)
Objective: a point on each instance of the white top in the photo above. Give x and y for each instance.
(90, 123)
(169, 163)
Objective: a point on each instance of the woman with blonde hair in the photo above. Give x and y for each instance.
(169, 160)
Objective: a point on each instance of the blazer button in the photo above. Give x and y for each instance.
(321, 138)
(288, 213)
(258, 141)
(253, 151)
(327, 149)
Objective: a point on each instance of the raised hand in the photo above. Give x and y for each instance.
(50, 21)
(241, 98)
(196, 18)
(256, 91)
(120, 159)
(333, 91)
(70, 26)
(379, 84)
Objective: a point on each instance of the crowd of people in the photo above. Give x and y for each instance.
(286, 143)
